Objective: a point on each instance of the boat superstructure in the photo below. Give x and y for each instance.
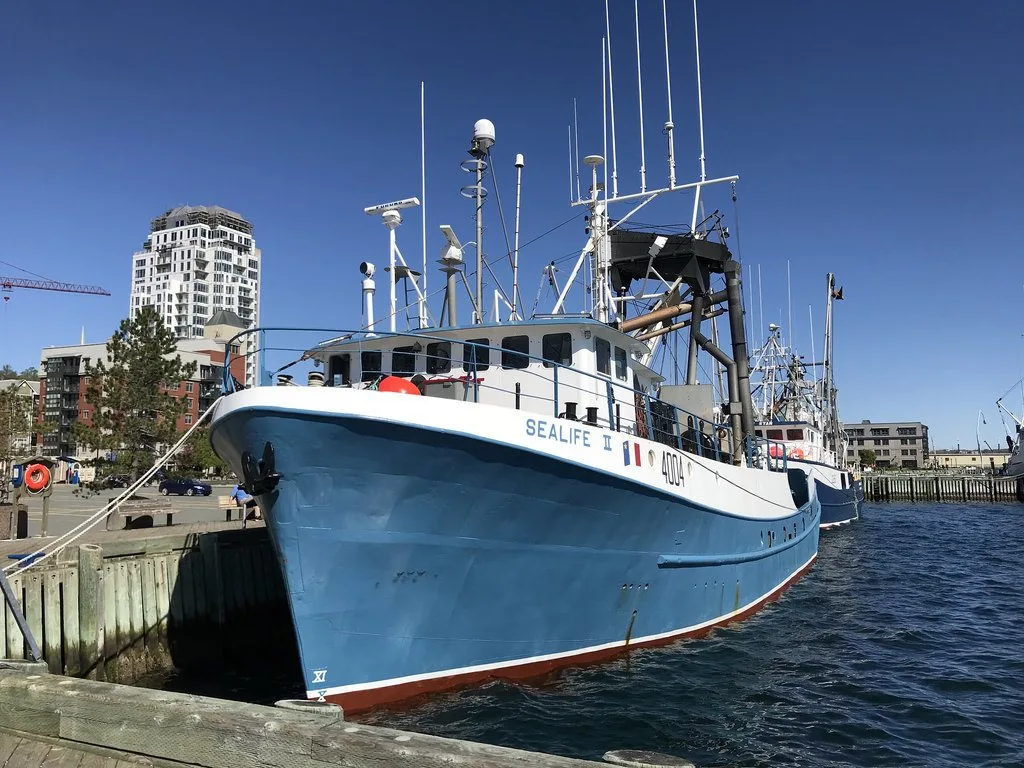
(799, 414)
(521, 491)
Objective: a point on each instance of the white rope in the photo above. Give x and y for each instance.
(66, 539)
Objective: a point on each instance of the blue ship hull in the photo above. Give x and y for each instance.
(838, 505)
(418, 560)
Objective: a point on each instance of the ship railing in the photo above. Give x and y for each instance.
(767, 454)
(622, 407)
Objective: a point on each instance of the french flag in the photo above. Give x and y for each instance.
(626, 458)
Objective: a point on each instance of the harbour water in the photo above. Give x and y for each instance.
(902, 647)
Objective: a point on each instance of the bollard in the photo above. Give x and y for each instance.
(321, 711)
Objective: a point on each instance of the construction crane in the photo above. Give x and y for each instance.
(8, 284)
(41, 283)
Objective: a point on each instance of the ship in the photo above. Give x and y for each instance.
(504, 492)
(800, 416)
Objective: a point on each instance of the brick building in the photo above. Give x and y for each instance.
(64, 381)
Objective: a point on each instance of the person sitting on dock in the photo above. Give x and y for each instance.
(243, 499)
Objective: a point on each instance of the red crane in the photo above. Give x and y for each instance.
(41, 283)
(7, 284)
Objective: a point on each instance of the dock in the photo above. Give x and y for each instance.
(942, 488)
(50, 721)
(120, 605)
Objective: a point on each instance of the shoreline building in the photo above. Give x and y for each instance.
(197, 261)
(895, 443)
(64, 379)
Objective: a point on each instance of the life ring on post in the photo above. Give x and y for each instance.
(37, 477)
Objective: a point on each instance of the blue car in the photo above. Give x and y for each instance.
(184, 486)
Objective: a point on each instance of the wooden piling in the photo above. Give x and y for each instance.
(50, 642)
(90, 610)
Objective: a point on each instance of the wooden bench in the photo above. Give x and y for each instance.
(129, 510)
(228, 505)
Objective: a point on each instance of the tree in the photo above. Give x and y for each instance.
(30, 374)
(867, 457)
(132, 411)
(198, 456)
(14, 421)
(8, 373)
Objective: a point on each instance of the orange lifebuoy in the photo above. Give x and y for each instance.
(37, 477)
(776, 451)
(796, 453)
(397, 384)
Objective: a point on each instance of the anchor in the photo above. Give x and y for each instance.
(259, 476)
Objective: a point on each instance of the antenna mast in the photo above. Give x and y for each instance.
(423, 198)
(611, 100)
(520, 162)
(640, 96)
(669, 126)
(700, 122)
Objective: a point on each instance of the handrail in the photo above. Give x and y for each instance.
(357, 337)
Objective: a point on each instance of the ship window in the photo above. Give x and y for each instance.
(339, 371)
(514, 351)
(774, 434)
(439, 357)
(604, 355)
(369, 362)
(403, 361)
(556, 348)
(620, 363)
(480, 355)
(794, 434)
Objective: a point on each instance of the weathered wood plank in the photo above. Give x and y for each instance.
(135, 599)
(163, 597)
(110, 646)
(90, 609)
(90, 760)
(15, 640)
(33, 584)
(28, 754)
(209, 547)
(8, 742)
(71, 634)
(61, 756)
(51, 642)
(149, 606)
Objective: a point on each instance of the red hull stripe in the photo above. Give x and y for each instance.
(362, 700)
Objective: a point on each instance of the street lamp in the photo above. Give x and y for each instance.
(977, 434)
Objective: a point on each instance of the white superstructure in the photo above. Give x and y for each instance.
(199, 259)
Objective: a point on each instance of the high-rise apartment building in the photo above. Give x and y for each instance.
(197, 260)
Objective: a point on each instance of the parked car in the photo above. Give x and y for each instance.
(184, 486)
(114, 481)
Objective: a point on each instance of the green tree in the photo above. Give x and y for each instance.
(198, 456)
(15, 420)
(8, 373)
(30, 374)
(132, 411)
(867, 457)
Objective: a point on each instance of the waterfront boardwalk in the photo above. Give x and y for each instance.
(50, 721)
(942, 488)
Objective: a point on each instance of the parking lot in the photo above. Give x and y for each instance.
(68, 509)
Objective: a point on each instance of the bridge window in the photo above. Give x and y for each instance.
(439, 357)
(604, 356)
(794, 434)
(403, 361)
(370, 364)
(476, 357)
(774, 434)
(556, 348)
(339, 371)
(620, 363)
(514, 351)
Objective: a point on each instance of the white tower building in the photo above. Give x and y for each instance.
(199, 259)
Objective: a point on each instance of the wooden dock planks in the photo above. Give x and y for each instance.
(941, 488)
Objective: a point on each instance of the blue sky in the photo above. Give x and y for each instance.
(877, 140)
